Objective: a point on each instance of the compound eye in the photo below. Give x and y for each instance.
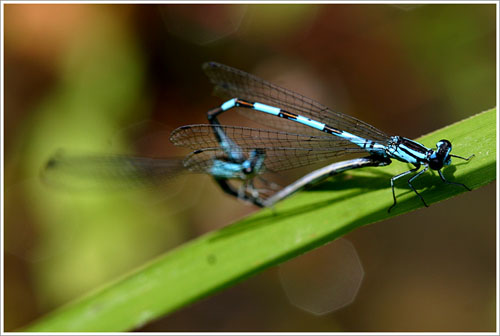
(443, 146)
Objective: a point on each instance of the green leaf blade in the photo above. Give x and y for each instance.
(303, 222)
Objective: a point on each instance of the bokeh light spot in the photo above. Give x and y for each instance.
(202, 24)
(323, 280)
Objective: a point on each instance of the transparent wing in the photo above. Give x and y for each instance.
(276, 158)
(103, 172)
(202, 136)
(233, 83)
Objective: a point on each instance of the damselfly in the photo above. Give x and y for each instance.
(284, 109)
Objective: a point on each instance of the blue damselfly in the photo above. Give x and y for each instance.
(284, 109)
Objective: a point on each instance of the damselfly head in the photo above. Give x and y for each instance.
(254, 162)
(441, 156)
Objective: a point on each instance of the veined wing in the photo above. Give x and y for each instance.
(104, 172)
(276, 158)
(233, 83)
(202, 136)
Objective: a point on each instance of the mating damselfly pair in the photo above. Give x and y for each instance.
(309, 132)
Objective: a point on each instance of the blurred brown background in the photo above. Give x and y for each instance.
(119, 78)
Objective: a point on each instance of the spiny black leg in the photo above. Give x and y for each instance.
(461, 157)
(394, 178)
(411, 185)
(240, 193)
(449, 182)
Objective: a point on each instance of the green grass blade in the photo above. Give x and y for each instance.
(305, 221)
